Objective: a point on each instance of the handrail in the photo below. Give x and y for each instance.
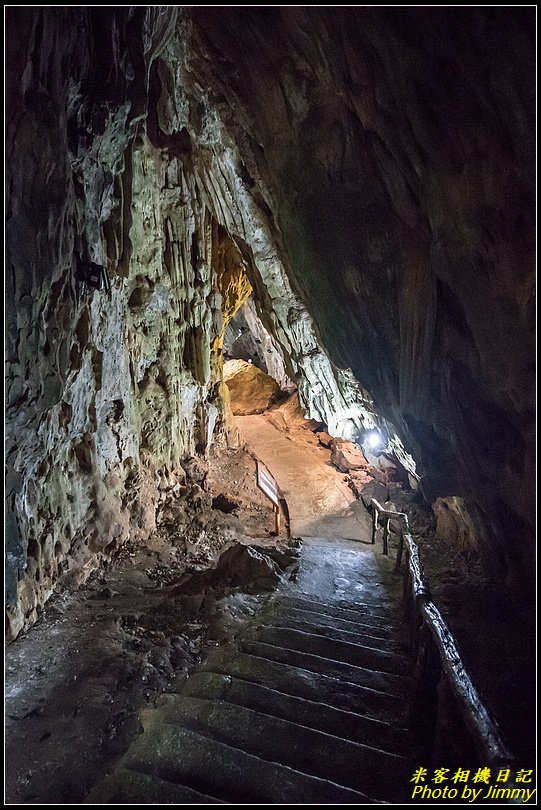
(482, 726)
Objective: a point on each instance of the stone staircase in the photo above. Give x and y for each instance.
(309, 704)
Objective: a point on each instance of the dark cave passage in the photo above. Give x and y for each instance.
(298, 240)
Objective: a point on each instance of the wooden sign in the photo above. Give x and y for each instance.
(269, 487)
(267, 484)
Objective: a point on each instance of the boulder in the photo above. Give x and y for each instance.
(374, 490)
(455, 523)
(357, 481)
(324, 439)
(251, 390)
(239, 566)
(347, 456)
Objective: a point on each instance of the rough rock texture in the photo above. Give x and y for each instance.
(247, 339)
(250, 389)
(374, 489)
(110, 161)
(454, 523)
(368, 170)
(394, 149)
(347, 456)
(101, 385)
(240, 566)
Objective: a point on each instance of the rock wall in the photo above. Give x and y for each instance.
(110, 163)
(247, 339)
(392, 150)
(98, 381)
(365, 170)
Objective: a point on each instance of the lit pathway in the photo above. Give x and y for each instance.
(320, 502)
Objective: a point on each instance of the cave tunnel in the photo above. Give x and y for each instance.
(270, 404)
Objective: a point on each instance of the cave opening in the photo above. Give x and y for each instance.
(270, 404)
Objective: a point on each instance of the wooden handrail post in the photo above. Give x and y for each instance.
(277, 520)
(375, 516)
(386, 530)
(400, 550)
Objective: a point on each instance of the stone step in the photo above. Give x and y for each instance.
(324, 620)
(125, 786)
(333, 649)
(373, 679)
(182, 756)
(353, 636)
(337, 722)
(310, 685)
(382, 605)
(366, 614)
(376, 773)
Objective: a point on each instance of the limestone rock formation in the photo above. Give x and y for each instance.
(455, 523)
(394, 149)
(250, 389)
(248, 339)
(364, 173)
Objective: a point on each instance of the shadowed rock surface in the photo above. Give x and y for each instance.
(343, 196)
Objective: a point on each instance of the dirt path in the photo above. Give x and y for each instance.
(320, 502)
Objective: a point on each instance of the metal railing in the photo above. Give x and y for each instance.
(436, 648)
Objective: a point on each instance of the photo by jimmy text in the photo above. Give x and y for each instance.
(469, 786)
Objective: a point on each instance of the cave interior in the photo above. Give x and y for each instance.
(239, 233)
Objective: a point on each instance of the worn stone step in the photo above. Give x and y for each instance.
(364, 639)
(373, 772)
(126, 786)
(373, 679)
(309, 684)
(324, 620)
(337, 722)
(333, 649)
(182, 756)
(366, 614)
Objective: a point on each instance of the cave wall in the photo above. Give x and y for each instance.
(109, 163)
(97, 381)
(247, 339)
(365, 172)
(105, 389)
(393, 150)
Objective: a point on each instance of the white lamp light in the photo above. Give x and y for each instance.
(374, 440)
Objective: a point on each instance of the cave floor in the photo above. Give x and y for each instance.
(307, 703)
(494, 626)
(79, 682)
(320, 502)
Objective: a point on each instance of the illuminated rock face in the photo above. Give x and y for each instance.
(250, 389)
(367, 171)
